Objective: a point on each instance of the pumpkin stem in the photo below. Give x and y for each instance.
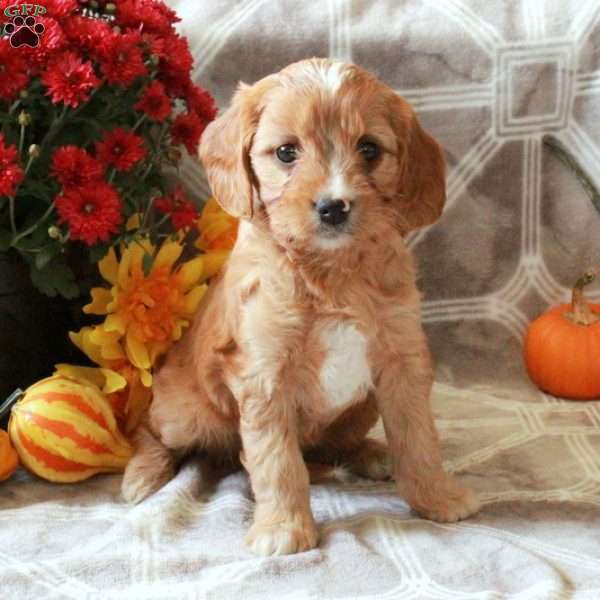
(581, 313)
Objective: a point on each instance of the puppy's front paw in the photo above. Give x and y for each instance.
(284, 538)
(445, 500)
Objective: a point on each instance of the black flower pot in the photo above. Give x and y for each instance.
(33, 329)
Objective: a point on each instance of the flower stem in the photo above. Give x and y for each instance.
(567, 159)
(147, 214)
(139, 122)
(29, 163)
(11, 211)
(21, 139)
(11, 110)
(14, 107)
(147, 171)
(33, 227)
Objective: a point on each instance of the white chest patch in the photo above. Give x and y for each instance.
(345, 374)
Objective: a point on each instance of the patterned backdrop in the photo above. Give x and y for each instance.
(488, 78)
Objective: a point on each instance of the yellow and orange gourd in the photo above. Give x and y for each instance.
(65, 431)
(562, 347)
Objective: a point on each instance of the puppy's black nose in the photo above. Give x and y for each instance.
(332, 212)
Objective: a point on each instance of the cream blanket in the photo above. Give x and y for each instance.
(488, 78)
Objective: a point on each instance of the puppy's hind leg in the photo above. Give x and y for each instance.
(151, 467)
(371, 459)
(344, 443)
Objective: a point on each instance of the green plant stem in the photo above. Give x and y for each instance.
(29, 163)
(569, 161)
(139, 122)
(147, 214)
(155, 151)
(11, 110)
(11, 211)
(63, 117)
(21, 139)
(163, 130)
(33, 227)
(147, 171)
(55, 127)
(155, 226)
(14, 107)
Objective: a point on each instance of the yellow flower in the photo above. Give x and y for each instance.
(145, 312)
(106, 380)
(217, 233)
(217, 229)
(123, 388)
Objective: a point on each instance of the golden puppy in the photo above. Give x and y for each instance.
(313, 329)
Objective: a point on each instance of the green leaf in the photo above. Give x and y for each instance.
(44, 190)
(42, 281)
(55, 278)
(46, 254)
(147, 262)
(68, 289)
(97, 253)
(5, 240)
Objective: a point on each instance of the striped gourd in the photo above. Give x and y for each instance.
(65, 431)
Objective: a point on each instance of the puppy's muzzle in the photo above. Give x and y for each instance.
(333, 211)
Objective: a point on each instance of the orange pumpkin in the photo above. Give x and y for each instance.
(64, 430)
(562, 347)
(8, 457)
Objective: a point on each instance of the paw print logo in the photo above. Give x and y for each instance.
(24, 32)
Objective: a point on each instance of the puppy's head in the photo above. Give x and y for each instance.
(325, 155)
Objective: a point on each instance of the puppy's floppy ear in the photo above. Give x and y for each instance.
(225, 150)
(422, 182)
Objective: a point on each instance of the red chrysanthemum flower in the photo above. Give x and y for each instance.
(147, 15)
(69, 79)
(59, 9)
(121, 149)
(200, 102)
(155, 102)
(182, 211)
(74, 167)
(88, 35)
(92, 212)
(52, 40)
(11, 173)
(14, 72)
(121, 58)
(187, 129)
(175, 65)
(156, 44)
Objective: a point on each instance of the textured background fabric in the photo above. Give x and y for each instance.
(488, 78)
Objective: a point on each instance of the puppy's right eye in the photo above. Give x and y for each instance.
(369, 150)
(286, 153)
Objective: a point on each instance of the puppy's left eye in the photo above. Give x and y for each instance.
(369, 150)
